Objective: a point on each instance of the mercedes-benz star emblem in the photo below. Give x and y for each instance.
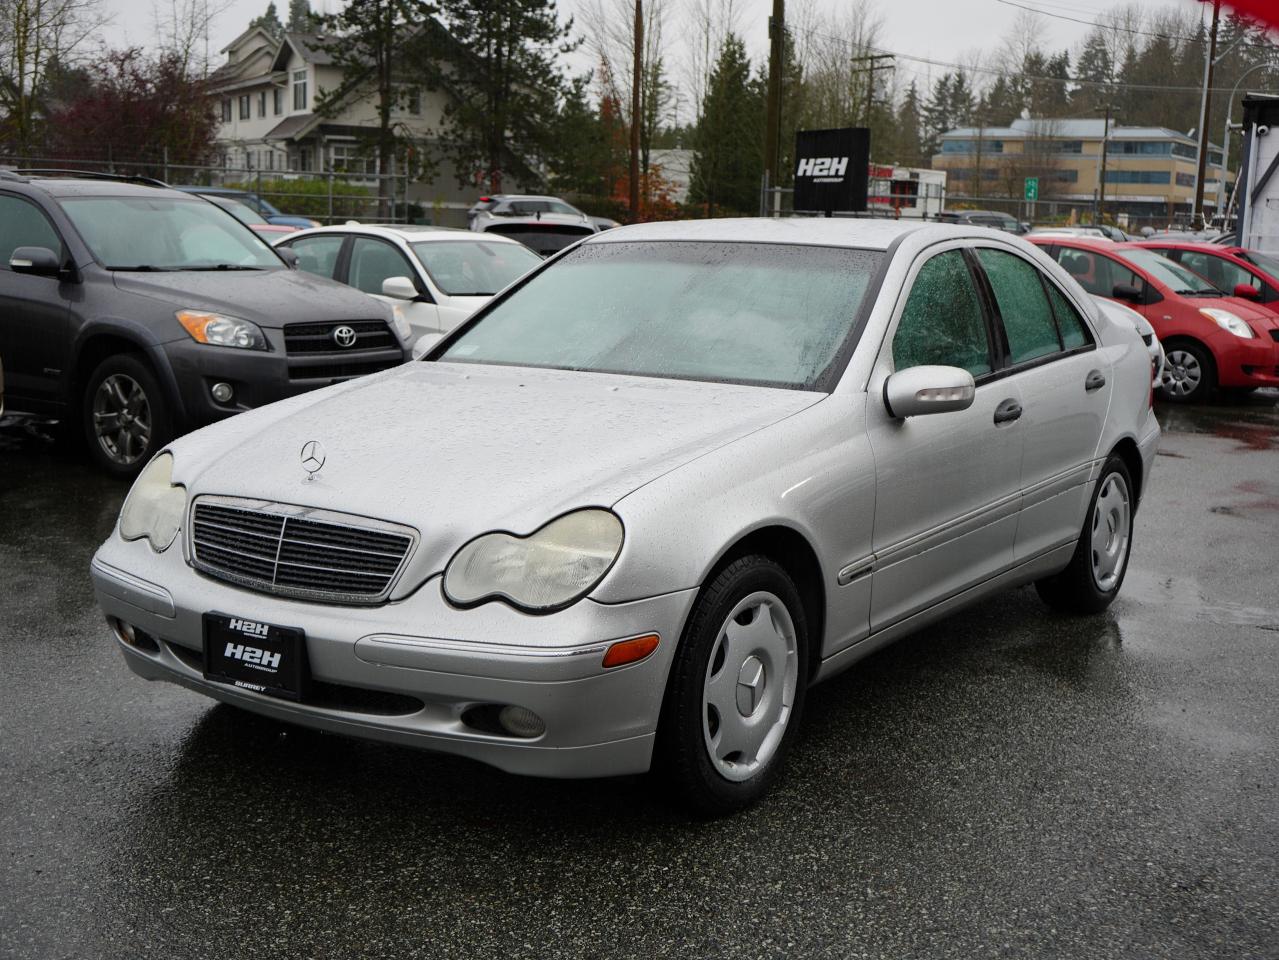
(312, 458)
(344, 336)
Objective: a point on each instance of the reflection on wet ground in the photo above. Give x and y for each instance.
(1006, 783)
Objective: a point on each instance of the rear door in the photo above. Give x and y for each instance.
(946, 484)
(1064, 382)
(34, 312)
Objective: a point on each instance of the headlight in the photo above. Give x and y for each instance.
(221, 330)
(155, 505)
(548, 569)
(1228, 321)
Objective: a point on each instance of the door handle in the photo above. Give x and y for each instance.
(1007, 412)
(1095, 381)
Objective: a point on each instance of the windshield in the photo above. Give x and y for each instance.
(241, 212)
(474, 268)
(752, 313)
(164, 233)
(1166, 272)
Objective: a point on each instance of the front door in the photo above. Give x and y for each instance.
(946, 484)
(34, 315)
(375, 261)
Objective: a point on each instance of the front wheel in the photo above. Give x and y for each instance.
(736, 688)
(1189, 373)
(125, 416)
(1100, 561)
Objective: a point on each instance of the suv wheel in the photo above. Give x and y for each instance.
(125, 416)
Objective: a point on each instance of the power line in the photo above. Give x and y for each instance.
(1119, 29)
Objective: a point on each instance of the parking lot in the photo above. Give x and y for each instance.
(1005, 783)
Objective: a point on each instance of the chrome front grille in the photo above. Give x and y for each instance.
(296, 551)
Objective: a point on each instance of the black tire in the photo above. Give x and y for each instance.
(146, 425)
(1179, 381)
(683, 751)
(1076, 589)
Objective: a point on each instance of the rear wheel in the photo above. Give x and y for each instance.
(736, 688)
(125, 416)
(1100, 561)
(1189, 373)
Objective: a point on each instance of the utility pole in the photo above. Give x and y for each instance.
(872, 64)
(637, 82)
(773, 122)
(1197, 213)
(1100, 212)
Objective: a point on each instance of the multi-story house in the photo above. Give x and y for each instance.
(267, 93)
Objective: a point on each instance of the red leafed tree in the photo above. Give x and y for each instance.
(136, 108)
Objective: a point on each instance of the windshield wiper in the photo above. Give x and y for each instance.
(1202, 293)
(221, 266)
(143, 268)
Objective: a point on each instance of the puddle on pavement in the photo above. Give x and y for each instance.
(1185, 599)
(1253, 423)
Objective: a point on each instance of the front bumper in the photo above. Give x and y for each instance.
(1247, 363)
(408, 672)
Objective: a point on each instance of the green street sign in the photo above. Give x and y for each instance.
(1032, 188)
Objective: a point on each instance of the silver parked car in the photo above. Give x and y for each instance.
(653, 491)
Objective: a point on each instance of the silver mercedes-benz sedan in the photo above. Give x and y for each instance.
(627, 514)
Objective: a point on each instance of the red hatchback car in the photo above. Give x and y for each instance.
(1211, 339)
(1245, 273)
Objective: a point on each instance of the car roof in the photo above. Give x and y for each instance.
(411, 232)
(854, 232)
(75, 187)
(219, 191)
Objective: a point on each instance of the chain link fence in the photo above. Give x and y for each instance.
(327, 197)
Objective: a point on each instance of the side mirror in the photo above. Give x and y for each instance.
(37, 261)
(916, 391)
(289, 256)
(425, 344)
(1247, 291)
(1126, 291)
(401, 288)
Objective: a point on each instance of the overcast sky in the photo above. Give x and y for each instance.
(945, 30)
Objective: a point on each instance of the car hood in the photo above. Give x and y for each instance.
(270, 298)
(455, 450)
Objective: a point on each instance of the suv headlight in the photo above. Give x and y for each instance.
(155, 505)
(549, 569)
(1228, 321)
(221, 331)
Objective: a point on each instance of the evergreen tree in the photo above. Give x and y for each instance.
(368, 41)
(910, 119)
(502, 70)
(269, 21)
(937, 117)
(301, 19)
(1096, 68)
(582, 166)
(728, 161)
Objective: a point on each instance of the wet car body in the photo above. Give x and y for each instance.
(820, 491)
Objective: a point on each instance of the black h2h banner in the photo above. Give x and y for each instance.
(831, 169)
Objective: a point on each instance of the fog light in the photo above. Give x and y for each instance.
(221, 392)
(519, 722)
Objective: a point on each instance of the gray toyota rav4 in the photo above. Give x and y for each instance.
(140, 312)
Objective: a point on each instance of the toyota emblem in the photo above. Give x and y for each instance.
(344, 336)
(312, 458)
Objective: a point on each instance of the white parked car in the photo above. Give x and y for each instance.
(544, 224)
(647, 497)
(433, 277)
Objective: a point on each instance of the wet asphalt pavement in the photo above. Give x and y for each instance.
(1005, 784)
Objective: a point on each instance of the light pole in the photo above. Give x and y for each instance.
(1225, 139)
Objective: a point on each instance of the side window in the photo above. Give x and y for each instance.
(943, 322)
(318, 255)
(1074, 333)
(1023, 305)
(1222, 274)
(1095, 273)
(22, 224)
(373, 261)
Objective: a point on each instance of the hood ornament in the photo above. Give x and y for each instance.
(312, 458)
